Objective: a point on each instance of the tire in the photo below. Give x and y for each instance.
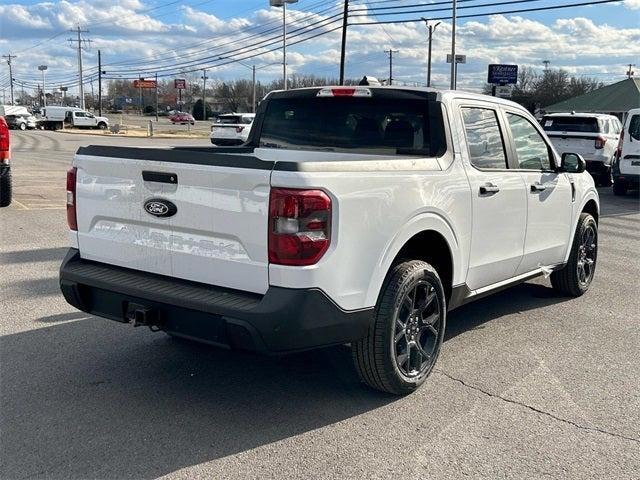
(619, 189)
(5, 189)
(381, 357)
(102, 126)
(605, 178)
(576, 276)
(23, 126)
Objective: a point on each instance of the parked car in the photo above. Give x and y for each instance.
(625, 170)
(5, 165)
(56, 117)
(353, 215)
(592, 135)
(21, 122)
(231, 128)
(182, 118)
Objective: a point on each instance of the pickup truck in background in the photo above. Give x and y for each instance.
(357, 215)
(55, 118)
(5, 165)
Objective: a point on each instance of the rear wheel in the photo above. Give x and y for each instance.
(605, 178)
(576, 277)
(619, 189)
(404, 341)
(5, 189)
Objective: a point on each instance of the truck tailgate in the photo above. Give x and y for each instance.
(218, 233)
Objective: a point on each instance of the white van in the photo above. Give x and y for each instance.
(13, 110)
(56, 117)
(625, 170)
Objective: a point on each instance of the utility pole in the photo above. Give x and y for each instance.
(391, 52)
(630, 73)
(9, 57)
(157, 97)
(546, 64)
(141, 98)
(343, 52)
(79, 41)
(453, 46)
(204, 94)
(253, 104)
(99, 84)
(432, 28)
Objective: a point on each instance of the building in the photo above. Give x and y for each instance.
(615, 99)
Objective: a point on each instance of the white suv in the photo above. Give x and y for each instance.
(356, 215)
(231, 129)
(592, 135)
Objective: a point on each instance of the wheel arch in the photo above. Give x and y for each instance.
(428, 237)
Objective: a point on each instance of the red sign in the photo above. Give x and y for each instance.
(180, 84)
(144, 84)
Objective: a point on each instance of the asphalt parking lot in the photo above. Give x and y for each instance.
(528, 385)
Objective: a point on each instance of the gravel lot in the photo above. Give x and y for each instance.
(529, 385)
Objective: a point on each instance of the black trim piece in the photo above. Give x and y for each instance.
(631, 157)
(160, 177)
(282, 320)
(209, 156)
(565, 136)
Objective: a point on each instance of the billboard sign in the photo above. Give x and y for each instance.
(180, 84)
(144, 83)
(503, 74)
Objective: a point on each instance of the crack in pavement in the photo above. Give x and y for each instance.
(534, 409)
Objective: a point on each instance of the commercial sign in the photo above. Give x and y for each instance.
(503, 74)
(459, 58)
(503, 91)
(180, 84)
(144, 83)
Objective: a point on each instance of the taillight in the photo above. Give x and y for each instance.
(619, 149)
(344, 92)
(239, 129)
(600, 141)
(299, 226)
(5, 142)
(72, 219)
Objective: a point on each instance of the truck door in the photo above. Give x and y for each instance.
(549, 195)
(498, 195)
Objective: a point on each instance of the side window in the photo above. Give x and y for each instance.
(79, 114)
(605, 126)
(531, 149)
(634, 127)
(486, 148)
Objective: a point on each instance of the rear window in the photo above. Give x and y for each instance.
(385, 126)
(232, 120)
(571, 124)
(634, 127)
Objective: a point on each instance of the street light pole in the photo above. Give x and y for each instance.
(432, 28)
(204, 94)
(43, 68)
(253, 103)
(283, 4)
(453, 46)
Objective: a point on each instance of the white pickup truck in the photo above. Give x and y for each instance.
(353, 215)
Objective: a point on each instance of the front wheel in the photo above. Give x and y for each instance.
(23, 126)
(102, 126)
(619, 189)
(576, 276)
(404, 340)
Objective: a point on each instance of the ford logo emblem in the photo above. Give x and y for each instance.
(160, 208)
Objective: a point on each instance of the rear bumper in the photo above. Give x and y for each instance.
(597, 167)
(227, 142)
(282, 320)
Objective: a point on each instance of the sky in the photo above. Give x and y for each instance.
(175, 38)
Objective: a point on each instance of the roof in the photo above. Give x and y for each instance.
(618, 97)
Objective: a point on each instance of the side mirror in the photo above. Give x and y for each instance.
(572, 163)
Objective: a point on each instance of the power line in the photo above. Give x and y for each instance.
(487, 14)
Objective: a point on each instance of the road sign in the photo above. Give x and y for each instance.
(180, 84)
(459, 58)
(503, 74)
(503, 91)
(144, 83)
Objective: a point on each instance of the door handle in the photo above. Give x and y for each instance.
(538, 187)
(160, 177)
(488, 189)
